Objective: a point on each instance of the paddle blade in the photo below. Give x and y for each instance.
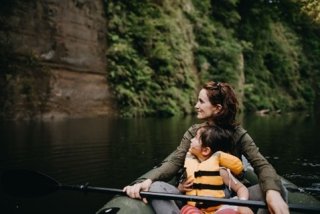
(24, 183)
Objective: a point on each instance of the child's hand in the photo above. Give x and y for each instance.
(186, 185)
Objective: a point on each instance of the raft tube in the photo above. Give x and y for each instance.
(123, 204)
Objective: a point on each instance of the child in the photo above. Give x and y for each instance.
(208, 169)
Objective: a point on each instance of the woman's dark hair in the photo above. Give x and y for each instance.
(218, 139)
(223, 94)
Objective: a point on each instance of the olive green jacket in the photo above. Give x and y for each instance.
(268, 177)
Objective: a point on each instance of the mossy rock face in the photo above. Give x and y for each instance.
(59, 37)
(160, 54)
(25, 87)
(158, 62)
(156, 55)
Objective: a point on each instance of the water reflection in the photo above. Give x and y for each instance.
(291, 144)
(113, 152)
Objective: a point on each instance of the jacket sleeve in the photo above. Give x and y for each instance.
(268, 178)
(174, 162)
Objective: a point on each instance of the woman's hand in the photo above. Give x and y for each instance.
(134, 190)
(276, 204)
(186, 185)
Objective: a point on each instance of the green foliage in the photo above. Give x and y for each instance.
(147, 59)
(218, 52)
(312, 9)
(277, 65)
(160, 51)
(225, 12)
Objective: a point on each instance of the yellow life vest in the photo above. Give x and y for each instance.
(206, 175)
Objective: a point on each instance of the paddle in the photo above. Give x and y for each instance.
(25, 183)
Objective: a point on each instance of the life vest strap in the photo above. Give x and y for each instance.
(202, 205)
(208, 186)
(206, 173)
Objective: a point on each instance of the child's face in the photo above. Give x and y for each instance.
(196, 145)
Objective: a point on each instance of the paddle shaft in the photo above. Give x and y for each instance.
(26, 183)
(168, 196)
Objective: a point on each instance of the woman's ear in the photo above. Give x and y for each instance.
(218, 108)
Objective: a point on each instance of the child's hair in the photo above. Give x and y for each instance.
(216, 138)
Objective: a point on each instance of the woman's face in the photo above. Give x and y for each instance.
(205, 110)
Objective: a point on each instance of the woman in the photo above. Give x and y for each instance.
(218, 105)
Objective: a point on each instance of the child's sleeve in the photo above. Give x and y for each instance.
(231, 162)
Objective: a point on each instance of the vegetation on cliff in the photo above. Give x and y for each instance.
(161, 51)
(149, 58)
(281, 71)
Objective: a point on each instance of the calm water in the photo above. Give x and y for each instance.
(113, 152)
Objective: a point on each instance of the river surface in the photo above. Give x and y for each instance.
(112, 152)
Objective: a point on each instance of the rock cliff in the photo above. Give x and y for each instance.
(68, 37)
